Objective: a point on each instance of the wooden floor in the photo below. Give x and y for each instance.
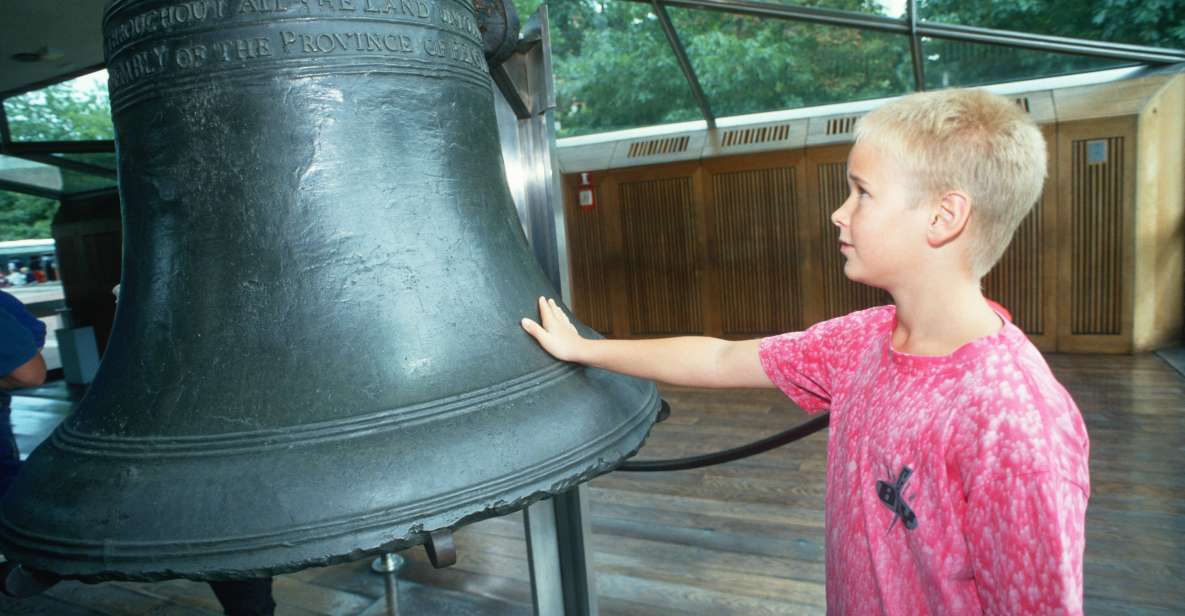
(745, 537)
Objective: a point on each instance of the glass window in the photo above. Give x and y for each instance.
(614, 68)
(48, 177)
(105, 160)
(29, 271)
(890, 8)
(73, 110)
(747, 64)
(1135, 22)
(23, 217)
(957, 63)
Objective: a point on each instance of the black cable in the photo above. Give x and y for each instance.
(728, 455)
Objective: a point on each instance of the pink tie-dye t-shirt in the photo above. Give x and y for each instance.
(955, 484)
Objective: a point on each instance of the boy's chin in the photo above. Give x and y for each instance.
(855, 274)
(852, 272)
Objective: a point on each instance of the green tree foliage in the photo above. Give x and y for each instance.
(1155, 23)
(25, 217)
(748, 64)
(69, 111)
(614, 67)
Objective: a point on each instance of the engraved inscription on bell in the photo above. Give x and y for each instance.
(174, 40)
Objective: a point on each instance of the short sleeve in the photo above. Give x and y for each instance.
(1026, 538)
(1021, 452)
(804, 364)
(17, 310)
(16, 344)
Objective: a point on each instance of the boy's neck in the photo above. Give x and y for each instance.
(940, 319)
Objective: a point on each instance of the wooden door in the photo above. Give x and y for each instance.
(755, 255)
(1096, 179)
(829, 292)
(1025, 279)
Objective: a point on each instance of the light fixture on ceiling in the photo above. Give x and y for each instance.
(44, 54)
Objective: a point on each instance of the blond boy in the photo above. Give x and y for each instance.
(957, 475)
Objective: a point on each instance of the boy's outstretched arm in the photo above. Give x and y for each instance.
(695, 361)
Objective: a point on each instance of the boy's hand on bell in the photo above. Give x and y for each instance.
(556, 334)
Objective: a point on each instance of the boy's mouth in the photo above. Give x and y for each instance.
(844, 246)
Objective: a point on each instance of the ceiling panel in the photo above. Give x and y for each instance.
(66, 34)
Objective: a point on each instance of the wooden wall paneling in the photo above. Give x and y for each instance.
(1160, 221)
(660, 249)
(819, 233)
(704, 247)
(812, 237)
(757, 258)
(1106, 100)
(587, 258)
(1025, 279)
(809, 242)
(1096, 235)
(838, 296)
(615, 256)
(1050, 240)
(89, 246)
(708, 267)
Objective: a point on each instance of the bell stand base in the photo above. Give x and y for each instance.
(557, 532)
(388, 565)
(406, 598)
(19, 583)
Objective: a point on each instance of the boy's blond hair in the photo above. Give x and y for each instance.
(971, 141)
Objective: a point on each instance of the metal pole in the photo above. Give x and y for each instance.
(66, 163)
(543, 559)
(5, 136)
(29, 189)
(915, 48)
(557, 528)
(387, 565)
(1057, 44)
(668, 29)
(54, 147)
(831, 17)
(882, 23)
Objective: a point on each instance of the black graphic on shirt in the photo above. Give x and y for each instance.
(893, 496)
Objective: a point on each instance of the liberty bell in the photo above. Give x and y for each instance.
(316, 355)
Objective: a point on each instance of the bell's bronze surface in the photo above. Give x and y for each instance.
(316, 355)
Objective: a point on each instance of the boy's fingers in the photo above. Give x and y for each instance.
(534, 329)
(544, 313)
(559, 313)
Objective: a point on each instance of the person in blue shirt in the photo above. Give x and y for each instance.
(21, 338)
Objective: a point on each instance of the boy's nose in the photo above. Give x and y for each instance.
(839, 217)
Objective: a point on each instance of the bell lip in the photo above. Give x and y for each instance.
(180, 565)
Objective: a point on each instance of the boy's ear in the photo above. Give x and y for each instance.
(948, 218)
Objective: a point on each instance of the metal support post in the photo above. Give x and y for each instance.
(915, 47)
(557, 528)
